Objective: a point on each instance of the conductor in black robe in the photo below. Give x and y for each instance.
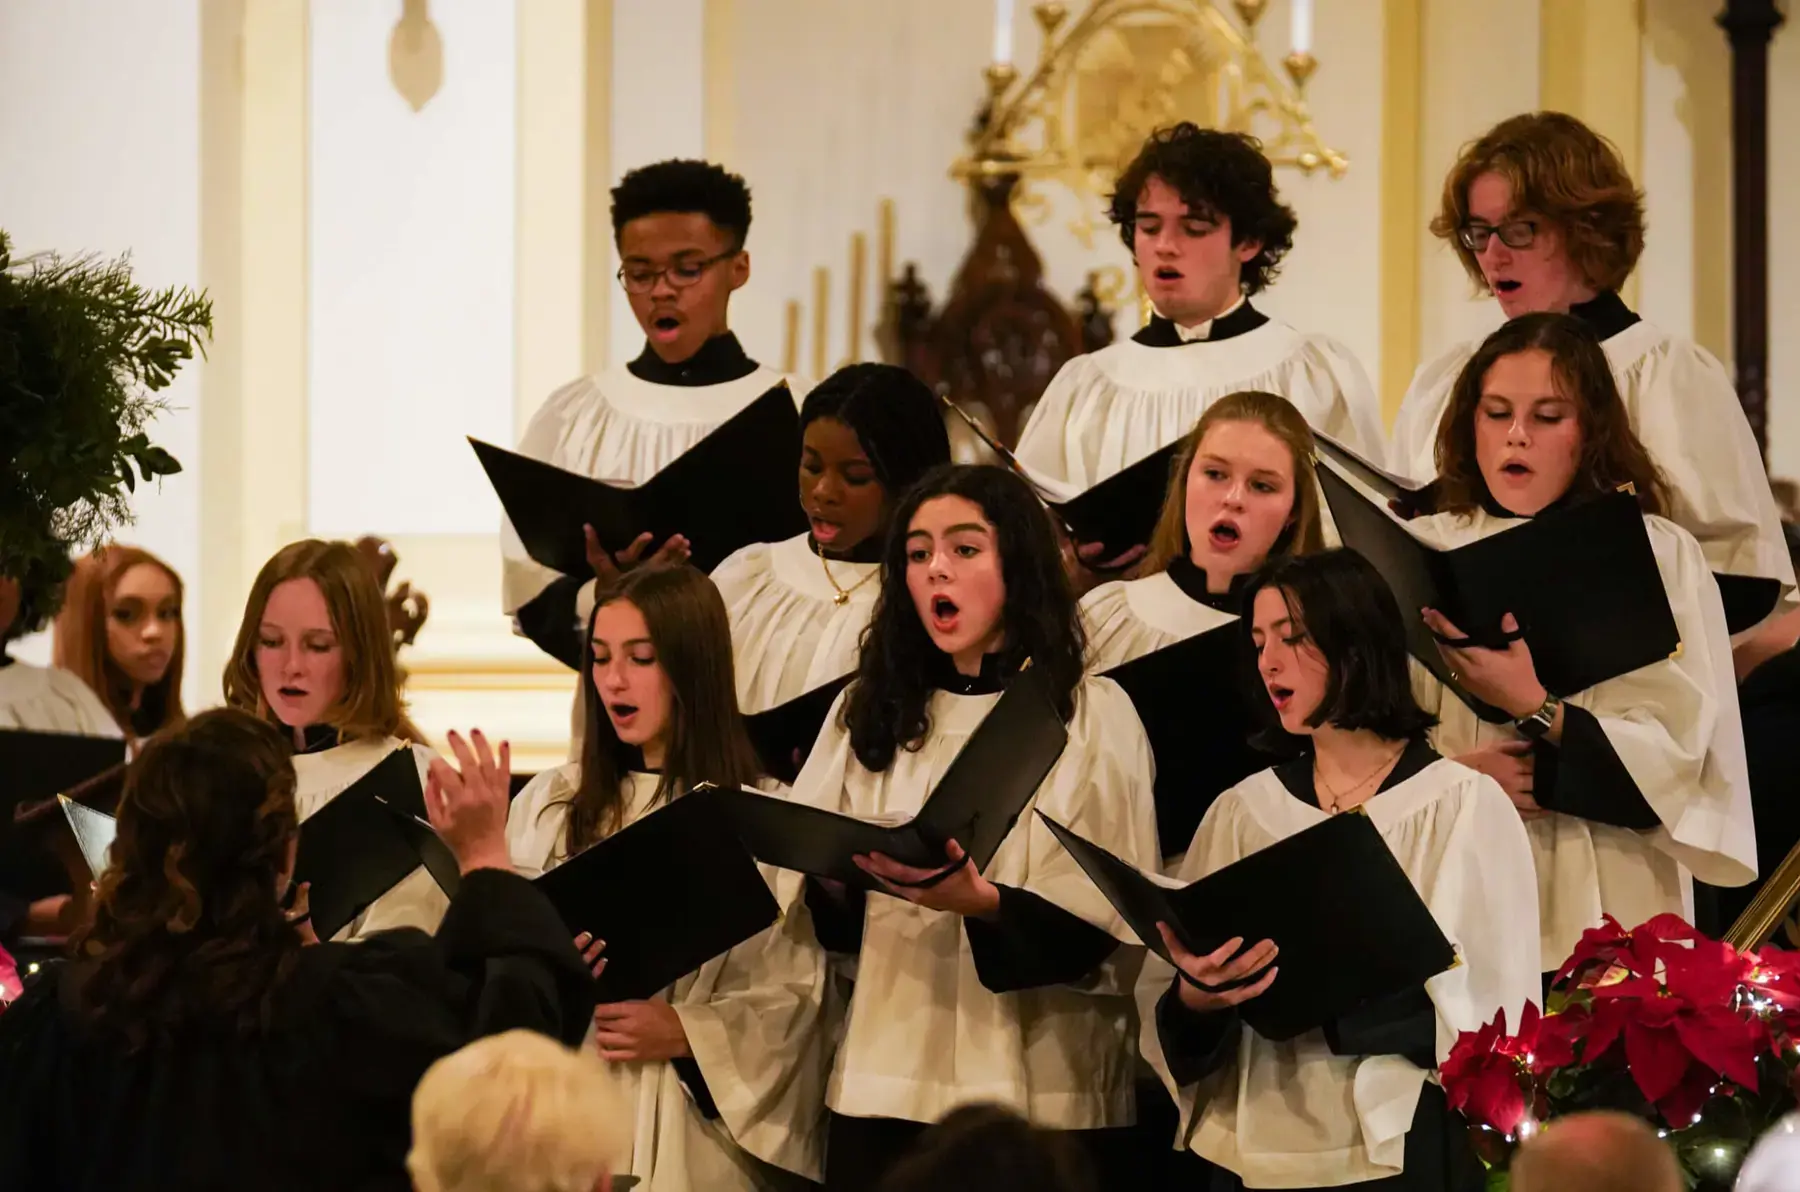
(198, 1040)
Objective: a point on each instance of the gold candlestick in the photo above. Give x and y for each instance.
(884, 246)
(790, 347)
(859, 247)
(999, 76)
(821, 321)
(1300, 66)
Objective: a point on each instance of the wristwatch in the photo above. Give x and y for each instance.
(1537, 724)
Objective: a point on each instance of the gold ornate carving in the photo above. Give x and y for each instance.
(416, 55)
(407, 608)
(1122, 70)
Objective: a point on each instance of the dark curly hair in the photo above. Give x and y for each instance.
(1611, 453)
(188, 928)
(885, 710)
(684, 185)
(1349, 613)
(1562, 171)
(989, 1148)
(40, 595)
(1220, 175)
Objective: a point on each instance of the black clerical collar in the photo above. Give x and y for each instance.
(318, 738)
(1192, 582)
(1297, 775)
(1162, 333)
(867, 551)
(1606, 313)
(4, 660)
(720, 359)
(996, 669)
(1495, 508)
(147, 717)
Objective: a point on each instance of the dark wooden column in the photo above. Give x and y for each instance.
(1750, 25)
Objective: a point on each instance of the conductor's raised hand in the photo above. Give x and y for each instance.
(957, 888)
(1218, 968)
(1506, 678)
(608, 566)
(467, 803)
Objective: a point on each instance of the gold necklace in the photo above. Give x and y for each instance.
(843, 594)
(1337, 797)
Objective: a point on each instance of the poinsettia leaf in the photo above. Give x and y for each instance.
(1723, 1042)
(1656, 1057)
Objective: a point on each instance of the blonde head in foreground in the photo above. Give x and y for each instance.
(517, 1112)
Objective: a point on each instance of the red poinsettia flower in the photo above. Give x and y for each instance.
(10, 985)
(1609, 948)
(1481, 1081)
(1545, 1042)
(1680, 1035)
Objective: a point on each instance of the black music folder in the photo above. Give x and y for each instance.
(93, 830)
(667, 894)
(1582, 581)
(1122, 510)
(1200, 703)
(784, 735)
(732, 488)
(1748, 599)
(35, 766)
(976, 802)
(366, 841)
(1336, 952)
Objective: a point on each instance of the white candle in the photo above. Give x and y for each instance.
(1302, 25)
(1003, 32)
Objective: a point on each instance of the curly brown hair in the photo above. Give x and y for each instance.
(1564, 172)
(188, 927)
(1218, 174)
(1611, 453)
(1277, 415)
(372, 705)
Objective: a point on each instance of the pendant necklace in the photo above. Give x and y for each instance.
(843, 594)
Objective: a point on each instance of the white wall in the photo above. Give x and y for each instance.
(100, 152)
(410, 287)
(1784, 251)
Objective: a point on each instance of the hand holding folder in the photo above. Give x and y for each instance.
(976, 802)
(1349, 924)
(732, 488)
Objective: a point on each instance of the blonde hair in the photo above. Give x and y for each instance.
(1275, 414)
(516, 1112)
(81, 638)
(371, 705)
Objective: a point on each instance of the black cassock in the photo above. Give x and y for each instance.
(321, 1099)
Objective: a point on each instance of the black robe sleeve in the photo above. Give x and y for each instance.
(12, 913)
(837, 922)
(1404, 1024)
(1194, 1045)
(1583, 776)
(1032, 943)
(549, 620)
(688, 1069)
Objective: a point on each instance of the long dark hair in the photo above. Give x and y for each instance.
(82, 644)
(1611, 453)
(707, 740)
(188, 926)
(1350, 614)
(886, 707)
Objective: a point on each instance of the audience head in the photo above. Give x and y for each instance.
(984, 1148)
(1242, 490)
(517, 1112)
(659, 692)
(680, 228)
(1536, 416)
(1542, 213)
(315, 648)
(972, 568)
(1331, 648)
(29, 597)
(1596, 1152)
(868, 432)
(1197, 207)
(188, 924)
(120, 630)
(1774, 1162)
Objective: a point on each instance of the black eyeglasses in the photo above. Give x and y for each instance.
(1514, 233)
(641, 279)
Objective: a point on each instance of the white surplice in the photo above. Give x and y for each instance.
(418, 901)
(924, 1035)
(1674, 724)
(1126, 619)
(1293, 1114)
(788, 633)
(752, 1018)
(1685, 410)
(48, 699)
(1106, 410)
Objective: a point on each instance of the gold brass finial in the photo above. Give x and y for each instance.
(1250, 11)
(1300, 66)
(1050, 16)
(1000, 76)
